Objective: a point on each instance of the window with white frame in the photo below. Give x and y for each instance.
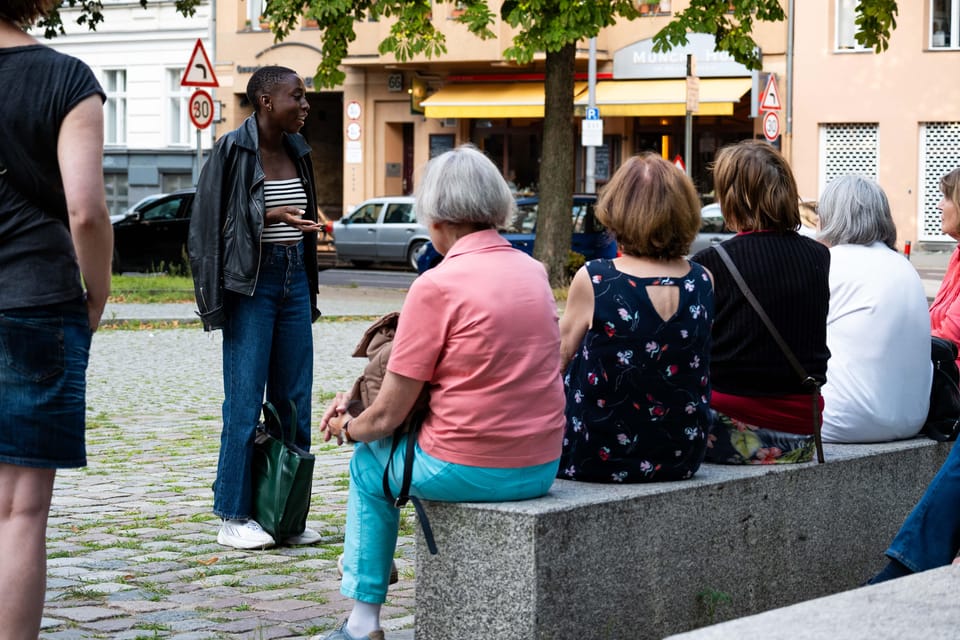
(116, 186)
(115, 108)
(178, 103)
(944, 24)
(846, 27)
(254, 12)
(849, 148)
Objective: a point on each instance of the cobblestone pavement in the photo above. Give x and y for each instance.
(132, 540)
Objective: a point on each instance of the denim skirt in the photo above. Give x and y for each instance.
(43, 366)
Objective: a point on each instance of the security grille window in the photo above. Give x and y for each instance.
(849, 149)
(178, 99)
(944, 24)
(115, 185)
(939, 155)
(846, 27)
(115, 109)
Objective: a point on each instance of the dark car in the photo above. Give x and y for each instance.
(153, 236)
(590, 238)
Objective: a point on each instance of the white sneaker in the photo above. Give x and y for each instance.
(308, 536)
(244, 534)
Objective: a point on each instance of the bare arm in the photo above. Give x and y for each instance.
(395, 400)
(80, 155)
(577, 316)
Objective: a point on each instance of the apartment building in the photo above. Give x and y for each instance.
(139, 56)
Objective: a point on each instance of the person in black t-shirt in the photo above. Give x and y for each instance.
(54, 230)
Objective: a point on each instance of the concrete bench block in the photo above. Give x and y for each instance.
(590, 561)
(922, 605)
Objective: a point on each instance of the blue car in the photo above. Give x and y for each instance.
(590, 238)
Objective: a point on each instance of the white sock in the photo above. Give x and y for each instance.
(364, 618)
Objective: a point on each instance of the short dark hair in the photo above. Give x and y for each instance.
(264, 80)
(25, 12)
(755, 188)
(651, 207)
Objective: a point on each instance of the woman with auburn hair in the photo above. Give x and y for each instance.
(763, 411)
(55, 247)
(636, 332)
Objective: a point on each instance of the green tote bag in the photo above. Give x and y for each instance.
(282, 476)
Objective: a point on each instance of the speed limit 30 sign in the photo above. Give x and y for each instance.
(771, 126)
(201, 109)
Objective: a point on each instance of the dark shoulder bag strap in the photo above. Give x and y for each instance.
(807, 380)
(404, 494)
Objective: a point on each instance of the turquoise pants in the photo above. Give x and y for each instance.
(373, 521)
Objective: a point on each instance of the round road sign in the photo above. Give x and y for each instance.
(771, 126)
(201, 109)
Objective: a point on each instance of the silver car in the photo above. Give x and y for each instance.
(712, 229)
(381, 230)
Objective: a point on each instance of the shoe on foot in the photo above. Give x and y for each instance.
(244, 534)
(307, 536)
(340, 633)
(394, 576)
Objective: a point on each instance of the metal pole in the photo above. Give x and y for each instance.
(591, 160)
(196, 166)
(788, 109)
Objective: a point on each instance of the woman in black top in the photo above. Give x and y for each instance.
(54, 229)
(764, 414)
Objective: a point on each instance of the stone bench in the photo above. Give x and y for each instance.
(591, 561)
(918, 606)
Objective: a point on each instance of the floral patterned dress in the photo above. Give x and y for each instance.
(638, 389)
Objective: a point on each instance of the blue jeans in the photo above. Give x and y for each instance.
(373, 521)
(267, 345)
(930, 536)
(43, 366)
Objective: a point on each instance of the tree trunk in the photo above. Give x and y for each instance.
(554, 222)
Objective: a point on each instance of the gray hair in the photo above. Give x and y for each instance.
(463, 186)
(855, 210)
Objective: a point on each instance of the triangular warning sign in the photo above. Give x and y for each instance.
(678, 163)
(771, 96)
(199, 72)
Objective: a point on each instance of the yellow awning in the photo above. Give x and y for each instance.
(664, 97)
(489, 100)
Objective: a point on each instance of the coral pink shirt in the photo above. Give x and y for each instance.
(945, 310)
(481, 329)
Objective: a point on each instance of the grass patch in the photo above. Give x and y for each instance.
(151, 288)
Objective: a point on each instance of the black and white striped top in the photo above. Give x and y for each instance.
(279, 193)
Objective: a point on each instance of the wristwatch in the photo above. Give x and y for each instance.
(343, 429)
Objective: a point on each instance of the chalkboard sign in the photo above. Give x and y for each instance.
(440, 143)
(602, 162)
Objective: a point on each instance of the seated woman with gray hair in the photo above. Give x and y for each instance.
(480, 332)
(878, 327)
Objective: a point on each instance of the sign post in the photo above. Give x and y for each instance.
(199, 73)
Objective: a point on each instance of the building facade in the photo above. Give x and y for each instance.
(893, 116)
(139, 56)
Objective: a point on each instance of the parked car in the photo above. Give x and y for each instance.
(590, 238)
(381, 230)
(712, 228)
(152, 234)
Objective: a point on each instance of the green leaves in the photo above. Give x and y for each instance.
(874, 23)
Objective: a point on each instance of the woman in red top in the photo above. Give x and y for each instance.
(945, 310)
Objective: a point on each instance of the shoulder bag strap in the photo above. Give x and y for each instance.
(415, 421)
(807, 380)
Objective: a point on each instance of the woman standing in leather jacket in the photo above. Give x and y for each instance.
(252, 245)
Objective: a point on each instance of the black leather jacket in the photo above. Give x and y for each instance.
(227, 221)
